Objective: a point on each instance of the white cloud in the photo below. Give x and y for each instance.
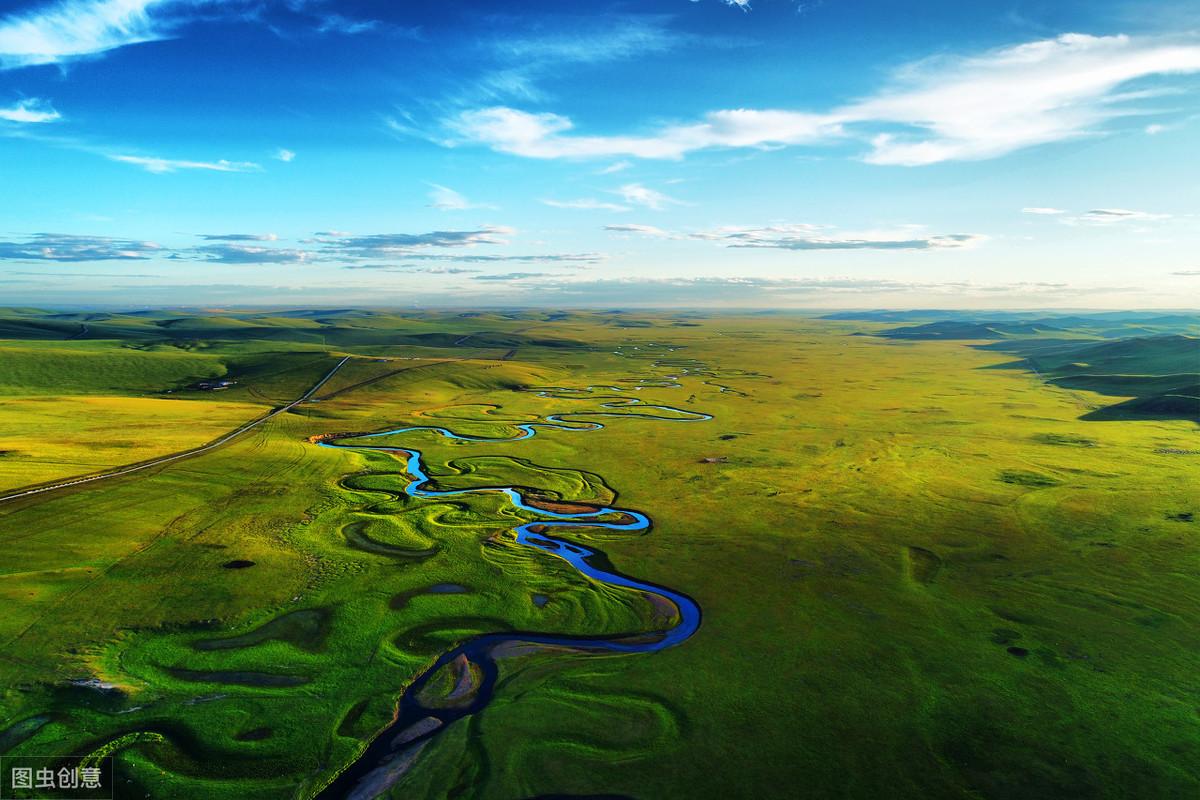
(284, 155)
(586, 204)
(336, 23)
(239, 237)
(524, 51)
(544, 135)
(71, 29)
(61, 31)
(69, 248)
(641, 230)
(949, 108)
(1015, 97)
(622, 37)
(1042, 211)
(616, 166)
(31, 110)
(161, 165)
(250, 254)
(446, 199)
(399, 245)
(803, 236)
(639, 195)
(1115, 216)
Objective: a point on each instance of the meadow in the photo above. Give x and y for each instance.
(926, 565)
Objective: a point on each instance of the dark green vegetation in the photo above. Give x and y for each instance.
(1151, 358)
(925, 569)
(1162, 373)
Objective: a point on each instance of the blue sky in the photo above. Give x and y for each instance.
(842, 153)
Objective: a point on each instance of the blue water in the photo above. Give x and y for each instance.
(375, 769)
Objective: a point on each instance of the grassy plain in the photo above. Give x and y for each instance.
(920, 575)
(48, 437)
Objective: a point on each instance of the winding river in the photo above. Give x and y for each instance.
(389, 756)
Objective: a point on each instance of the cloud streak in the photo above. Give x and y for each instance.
(67, 248)
(164, 165)
(813, 237)
(239, 237)
(941, 109)
(250, 254)
(641, 230)
(1115, 216)
(66, 30)
(31, 110)
(638, 195)
(547, 135)
(444, 198)
(586, 204)
(802, 236)
(391, 245)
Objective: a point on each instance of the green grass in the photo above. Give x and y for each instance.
(920, 576)
(43, 438)
(109, 367)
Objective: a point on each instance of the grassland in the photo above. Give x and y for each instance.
(924, 571)
(49, 437)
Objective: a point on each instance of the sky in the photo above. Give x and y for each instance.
(687, 153)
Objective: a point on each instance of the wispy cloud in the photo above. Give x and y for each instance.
(1190, 273)
(1042, 211)
(446, 199)
(951, 108)
(802, 236)
(163, 165)
(250, 254)
(284, 155)
(239, 237)
(726, 291)
(815, 237)
(392, 245)
(481, 258)
(1114, 216)
(60, 247)
(1016, 97)
(378, 252)
(31, 110)
(645, 197)
(548, 135)
(406, 268)
(336, 23)
(514, 276)
(641, 230)
(527, 54)
(61, 31)
(618, 37)
(586, 204)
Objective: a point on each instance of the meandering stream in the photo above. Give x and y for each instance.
(389, 756)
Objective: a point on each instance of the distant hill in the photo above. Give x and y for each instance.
(1160, 373)
(1180, 403)
(1099, 324)
(341, 328)
(955, 329)
(1139, 355)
